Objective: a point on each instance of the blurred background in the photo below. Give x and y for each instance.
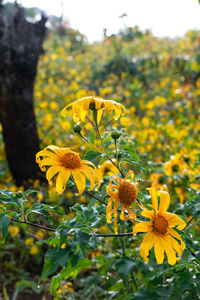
(143, 54)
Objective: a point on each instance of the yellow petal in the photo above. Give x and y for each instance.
(90, 174)
(79, 179)
(154, 199)
(61, 180)
(171, 256)
(174, 220)
(142, 227)
(99, 115)
(109, 210)
(164, 201)
(51, 172)
(116, 205)
(146, 245)
(177, 236)
(147, 213)
(122, 217)
(158, 249)
(63, 112)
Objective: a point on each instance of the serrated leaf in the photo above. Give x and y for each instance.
(83, 239)
(125, 266)
(53, 259)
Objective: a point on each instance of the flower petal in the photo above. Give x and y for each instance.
(177, 236)
(116, 205)
(154, 199)
(142, 227)
(109, 210)
(158, 249)
(164, 201)
(174, 220)
(79, 179)
(146, 245)
(90, 174)
(61, 180)
(171, 256)
(52, 171)
(147, 213)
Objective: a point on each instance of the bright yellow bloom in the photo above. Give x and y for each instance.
(160, 232)
(14, 230)
(125, 193)
(66, 287)
(34, 250)
(176, 164)
(81, 107)
(66, 162)
(29, 241)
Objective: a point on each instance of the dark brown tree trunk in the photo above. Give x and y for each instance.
(20, 48)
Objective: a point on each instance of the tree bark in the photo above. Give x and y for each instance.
(20, 48)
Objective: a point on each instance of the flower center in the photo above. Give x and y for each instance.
(160, 225)
(70, 161)
(127, 193)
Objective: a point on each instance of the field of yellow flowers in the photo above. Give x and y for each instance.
(118, 216)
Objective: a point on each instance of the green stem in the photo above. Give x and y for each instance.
(104, 148)
(22, 209)
(123, 243)
(86, 140)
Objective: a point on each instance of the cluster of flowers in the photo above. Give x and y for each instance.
(65, 163)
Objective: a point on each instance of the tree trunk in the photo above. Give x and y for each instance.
(20, 48)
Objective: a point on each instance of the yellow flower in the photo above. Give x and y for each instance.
(66, 287)
(66, 162)
(29, 241)
(14, 230)
(34, 250)
(81, 107)
(160, 232)
(125, 193)
(176, 164)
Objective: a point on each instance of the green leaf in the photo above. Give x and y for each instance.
(91, 155)
(125, 156)
(141, 295)
(7, 197)
(83, 239)
(53, 259)
(42, 209)
(4, 222)
(125, 266)
(38, 208)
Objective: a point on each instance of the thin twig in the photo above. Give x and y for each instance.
(52, 229)
(33, 224)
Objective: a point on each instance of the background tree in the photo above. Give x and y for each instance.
(20, 48)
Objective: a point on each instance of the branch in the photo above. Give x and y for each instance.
(52, 229)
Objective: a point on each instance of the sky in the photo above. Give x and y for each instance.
(164, 17)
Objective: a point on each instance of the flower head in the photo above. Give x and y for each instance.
(81, 107)
(66, 162)
(160, 232)
(124, 193)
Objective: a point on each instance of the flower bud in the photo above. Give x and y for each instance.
(115, 134)
(19, 194)
(77, 128)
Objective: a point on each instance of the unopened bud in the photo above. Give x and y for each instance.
(115, 134)
(19, 194)
(77, 128)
